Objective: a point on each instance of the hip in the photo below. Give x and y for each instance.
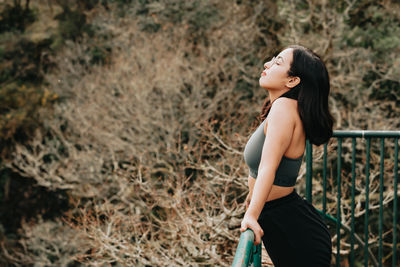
(293, 216)
(295, 231)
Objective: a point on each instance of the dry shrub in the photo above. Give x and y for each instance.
(47, 243)
(150, 147)
(353, 100)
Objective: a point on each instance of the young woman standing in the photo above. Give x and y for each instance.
(291, 229)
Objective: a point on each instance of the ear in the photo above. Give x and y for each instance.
(292, 82)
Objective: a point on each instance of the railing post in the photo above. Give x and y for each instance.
(309, 171)
(366, 203)
(396, 161)
(353, 189)
(257, 256)
(324, 178)
(381, 167)
(338, 215)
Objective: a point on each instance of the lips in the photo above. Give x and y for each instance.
(263, 74)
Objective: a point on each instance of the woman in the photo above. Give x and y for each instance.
(291, 229)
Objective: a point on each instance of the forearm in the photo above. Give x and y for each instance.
(260, 192)
(250, 183)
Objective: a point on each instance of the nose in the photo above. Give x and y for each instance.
(268, 64)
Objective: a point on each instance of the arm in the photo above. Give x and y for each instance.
(250, 183)
(280, 131)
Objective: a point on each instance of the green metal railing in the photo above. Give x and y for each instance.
(246, 250)
(247, 254)
(367, 136)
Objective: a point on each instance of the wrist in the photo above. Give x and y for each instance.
(254, 209)
(250, 215)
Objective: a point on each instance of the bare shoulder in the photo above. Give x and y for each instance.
(283, 113)
(284, 103)
(283, 107)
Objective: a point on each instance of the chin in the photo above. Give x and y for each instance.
(262, 83)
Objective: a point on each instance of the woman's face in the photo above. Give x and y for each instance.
(275, 75)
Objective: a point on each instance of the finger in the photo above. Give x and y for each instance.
(258, 233)
(243, 227)
(258, 238)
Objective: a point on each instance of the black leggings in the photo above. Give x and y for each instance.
(295, 233)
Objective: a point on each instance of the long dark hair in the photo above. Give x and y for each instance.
(311, 93)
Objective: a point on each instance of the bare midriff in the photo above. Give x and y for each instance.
(276, 190)
(279, 191)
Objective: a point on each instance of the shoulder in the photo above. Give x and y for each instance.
(284, 103)
(284, 107)
(282, 115)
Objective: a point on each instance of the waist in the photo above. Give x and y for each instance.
(292, 196)
(278, 192)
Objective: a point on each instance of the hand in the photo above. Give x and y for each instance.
(249, 222)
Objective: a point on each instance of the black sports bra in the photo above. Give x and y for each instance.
(288, 169)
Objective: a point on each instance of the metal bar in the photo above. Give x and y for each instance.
(353, 186)
(366, 204)
(327, 216)
(356, 237)
(257, 256)
(339, 182)
(396, 161)
(324, 179)
(380, 252)
(309, 171)
(244, 251)
(366, 134)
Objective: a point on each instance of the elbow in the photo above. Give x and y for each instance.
(266, 173)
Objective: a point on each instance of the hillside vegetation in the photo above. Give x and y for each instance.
(123, 122)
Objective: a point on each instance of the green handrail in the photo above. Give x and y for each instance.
(369, 257)
(247, 254)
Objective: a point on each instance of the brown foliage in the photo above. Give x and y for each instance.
(150, 147)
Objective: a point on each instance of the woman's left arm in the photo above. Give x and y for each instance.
(281, 124)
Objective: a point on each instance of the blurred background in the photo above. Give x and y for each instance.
(122, 122)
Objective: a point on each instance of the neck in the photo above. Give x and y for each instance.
(274, 94)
